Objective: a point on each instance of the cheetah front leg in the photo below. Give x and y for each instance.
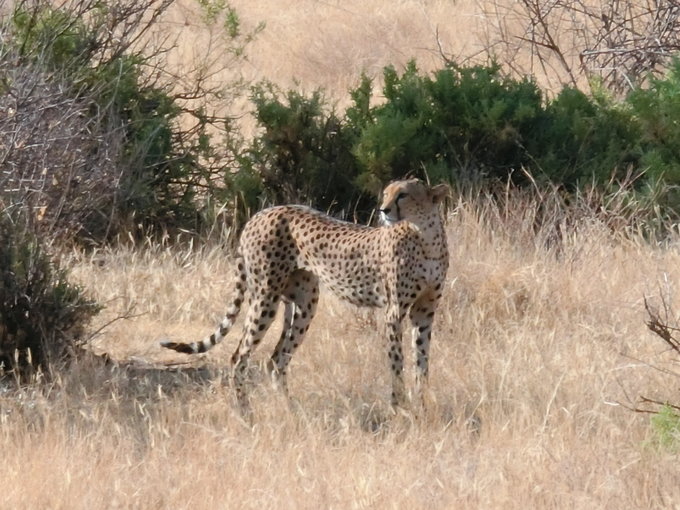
(396, 356)
(422, 317)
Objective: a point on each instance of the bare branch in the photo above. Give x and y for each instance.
(621, 42)
(659, 326)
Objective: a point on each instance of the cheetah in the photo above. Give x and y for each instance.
(285, 252)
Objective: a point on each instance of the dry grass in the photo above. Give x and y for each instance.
(310, 44)
(535, 343)
(328, 44)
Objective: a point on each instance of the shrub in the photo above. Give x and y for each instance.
(470, 126)
(462, 124)
(474, 125)
(657, 109)
(665, 428)
(100, 136)
(303, 153)
(583, 141)
(42, 315)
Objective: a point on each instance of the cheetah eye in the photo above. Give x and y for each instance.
(401, 195)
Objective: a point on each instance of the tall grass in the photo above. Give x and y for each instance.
(310, 44)
(307, 45)
(538, 340)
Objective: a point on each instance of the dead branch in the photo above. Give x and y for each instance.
(660, 327)
(619, 42)
(659, 403)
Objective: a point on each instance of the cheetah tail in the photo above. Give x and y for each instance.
(232, 312)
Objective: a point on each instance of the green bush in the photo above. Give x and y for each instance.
(462, 125)
(665, 429)
(657, 110)
(42, 315)
(582, 141)
(476, 125)
(303, 153)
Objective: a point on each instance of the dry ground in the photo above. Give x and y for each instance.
(536, 344)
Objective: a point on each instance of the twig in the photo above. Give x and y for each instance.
(660, 327)
(124, 316)
(646, 400)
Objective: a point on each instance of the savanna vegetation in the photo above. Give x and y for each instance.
(135, 140)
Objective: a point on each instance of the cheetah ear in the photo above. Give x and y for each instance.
(439, 192)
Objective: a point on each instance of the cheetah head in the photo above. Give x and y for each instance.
(411, 200)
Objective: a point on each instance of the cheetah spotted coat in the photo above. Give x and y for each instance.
(286, 251)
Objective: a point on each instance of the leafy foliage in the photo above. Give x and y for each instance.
(470, 126)
(657, 110)
(42, 315)
(665, 429)
(460, 125)
(466, 125)
(580, 141)
(304, 153)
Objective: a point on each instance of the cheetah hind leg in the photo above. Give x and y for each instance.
(301, 297)
(274, 368)
(260, 315)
